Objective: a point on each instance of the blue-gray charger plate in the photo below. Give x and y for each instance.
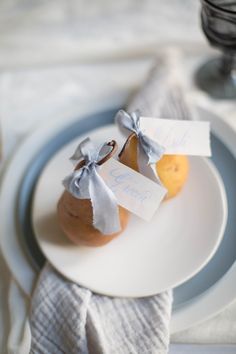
(224, 160)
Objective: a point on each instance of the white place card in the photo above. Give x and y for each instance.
(133, 191)
(179, 137)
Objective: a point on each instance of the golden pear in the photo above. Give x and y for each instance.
(171, 169)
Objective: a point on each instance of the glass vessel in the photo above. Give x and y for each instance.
(218, 76)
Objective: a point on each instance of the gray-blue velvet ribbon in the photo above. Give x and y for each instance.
(149, 151)
(86, 183)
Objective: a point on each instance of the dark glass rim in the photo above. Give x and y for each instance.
(218, 8)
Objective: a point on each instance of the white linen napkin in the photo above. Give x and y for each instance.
(67, 318)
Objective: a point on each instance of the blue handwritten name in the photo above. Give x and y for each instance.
(169, 139)
(125, 183)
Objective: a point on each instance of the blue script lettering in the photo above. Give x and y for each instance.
(125, 183)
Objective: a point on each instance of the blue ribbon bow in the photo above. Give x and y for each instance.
(86, 183)
(149, 151)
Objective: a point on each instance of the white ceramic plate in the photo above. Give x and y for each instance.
(204, 295)
(147, 258)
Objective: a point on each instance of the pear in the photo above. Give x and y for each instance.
(76, 220)
(75, 217)
(171, 169)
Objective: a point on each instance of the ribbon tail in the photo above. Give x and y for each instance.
(145, 168)
(105, 209)
(153, 150)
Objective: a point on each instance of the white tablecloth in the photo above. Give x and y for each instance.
(71, 31)
(41, 79)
